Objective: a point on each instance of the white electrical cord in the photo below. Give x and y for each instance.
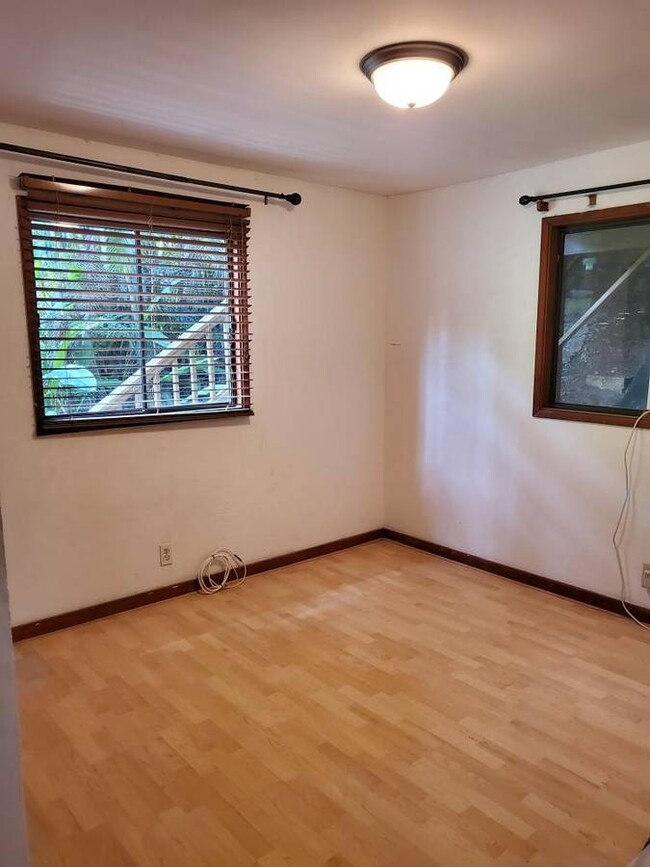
(229, 563)
(619, 531)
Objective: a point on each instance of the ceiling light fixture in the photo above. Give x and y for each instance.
(413, 74)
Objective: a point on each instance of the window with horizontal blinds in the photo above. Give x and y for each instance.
(137, 305)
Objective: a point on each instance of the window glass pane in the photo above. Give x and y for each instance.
(132, 320)
(604, 328)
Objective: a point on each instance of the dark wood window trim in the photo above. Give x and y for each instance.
(105, 205)
(548, 316)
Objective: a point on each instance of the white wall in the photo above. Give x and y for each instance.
(13, 840)
(84, 513)
(467, 465)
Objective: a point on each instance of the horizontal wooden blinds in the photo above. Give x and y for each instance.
(137, 304)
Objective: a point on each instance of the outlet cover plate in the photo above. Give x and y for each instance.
(645, 576)
(166, 555)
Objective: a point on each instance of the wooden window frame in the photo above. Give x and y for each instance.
(548, 316)
(133, 206)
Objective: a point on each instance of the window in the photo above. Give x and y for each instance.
(137, 305)
(593, 329)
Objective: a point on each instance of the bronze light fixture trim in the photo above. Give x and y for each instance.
(413, 74)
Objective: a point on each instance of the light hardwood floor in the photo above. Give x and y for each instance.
(378, 706)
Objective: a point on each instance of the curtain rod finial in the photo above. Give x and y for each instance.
(294, 198)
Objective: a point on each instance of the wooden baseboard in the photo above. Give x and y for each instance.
(559, 588)
(137, 600)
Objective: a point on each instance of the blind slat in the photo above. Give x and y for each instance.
(144, 279)
(101, 308)
(61, 233)
(106, 218)
(124, 259)
(127, 243)
(151, 243)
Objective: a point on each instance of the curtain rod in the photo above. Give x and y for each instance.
(543, 199)
(292, 198)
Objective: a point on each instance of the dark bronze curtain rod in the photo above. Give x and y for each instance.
(292, 198)
(587, 191)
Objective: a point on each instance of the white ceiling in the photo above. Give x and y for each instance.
(275, 84)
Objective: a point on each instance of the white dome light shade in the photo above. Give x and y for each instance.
(413, 74)
(412, 82)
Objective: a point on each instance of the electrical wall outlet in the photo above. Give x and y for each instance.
(645, 576)
(166, 555)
